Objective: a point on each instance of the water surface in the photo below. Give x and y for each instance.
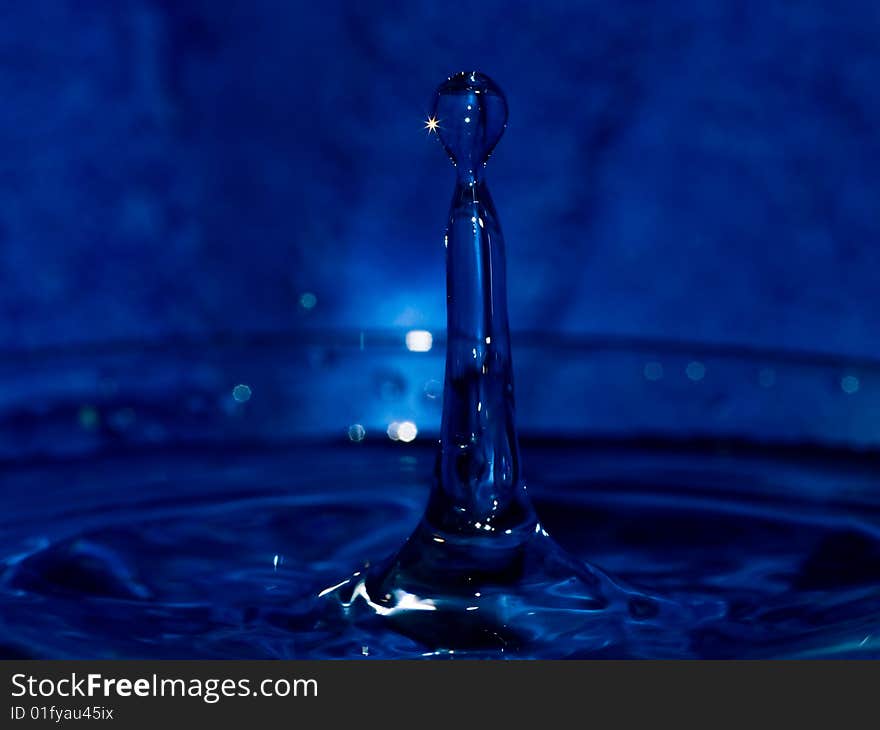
(206, 552)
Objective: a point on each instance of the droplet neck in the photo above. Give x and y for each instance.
(468, 177)
(478, 489)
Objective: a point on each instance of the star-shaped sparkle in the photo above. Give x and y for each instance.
(432, 124)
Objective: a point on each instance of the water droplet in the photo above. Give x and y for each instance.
(473, 115)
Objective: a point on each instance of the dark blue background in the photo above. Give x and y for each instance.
(687, 170)
(700, 172)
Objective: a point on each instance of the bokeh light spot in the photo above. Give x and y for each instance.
(653, 371)
(88, 418)
(767, 378)
(405, 431)
(419, 341)
(695, 370)
(241, 393)
(433, 389)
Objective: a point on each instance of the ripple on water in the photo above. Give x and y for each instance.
(712, 573)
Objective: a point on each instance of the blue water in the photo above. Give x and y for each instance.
(629, 549)
(207, 553)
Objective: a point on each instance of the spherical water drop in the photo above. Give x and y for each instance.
(471, 114)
